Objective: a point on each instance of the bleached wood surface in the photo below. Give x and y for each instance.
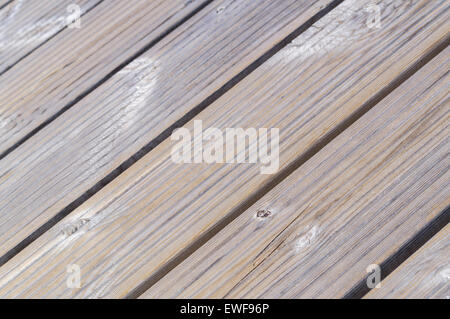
(352, 205)
(61, 162)
(426, 274)
(151, 214)
(27, 24)
(74, 61)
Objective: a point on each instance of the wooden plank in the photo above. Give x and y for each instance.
(76, 60)
(82, 146)
(424, 275)
(136, 225)
(4, 3)
(352, 205)
(24, 25)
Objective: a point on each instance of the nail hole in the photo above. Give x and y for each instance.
(263, 213)
(71, 229)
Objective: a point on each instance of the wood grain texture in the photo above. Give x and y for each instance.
(4, 3)
(148, 216)
(352, 205)
(425, 275)
(26, 24)
(75, 60)
(82, 146)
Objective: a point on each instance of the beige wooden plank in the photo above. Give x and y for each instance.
(24, 25)
(78, 149)
(75, 60)
(352, 205)
(4, 2)
(424, 275)
(150, 215)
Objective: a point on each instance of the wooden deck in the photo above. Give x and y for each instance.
(359, 91)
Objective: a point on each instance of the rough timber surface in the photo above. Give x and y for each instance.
(78, 149)
(27, 24)
(133, 227)
(425, 275)
(352, 205)
(74, 61)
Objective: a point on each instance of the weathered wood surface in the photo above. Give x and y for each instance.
(352, 205)
(134, 226)
(86, 143)
(425, 275)
(75, 60)
(26, 24)
(4, 3)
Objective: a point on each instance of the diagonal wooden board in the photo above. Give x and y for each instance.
(27, 24)
(131, 229)
(425, 275)
(76, 60)
(4, 3)
(89, 141)
(352, 205)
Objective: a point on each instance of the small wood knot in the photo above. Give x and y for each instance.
(263, 213)
(71, 229)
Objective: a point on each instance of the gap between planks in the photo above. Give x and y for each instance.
(397, 259)
(39, 91)
(283, 26)
(424, 275)
(25, 28)
(353, 204)
(422, 37)
(4, 3)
